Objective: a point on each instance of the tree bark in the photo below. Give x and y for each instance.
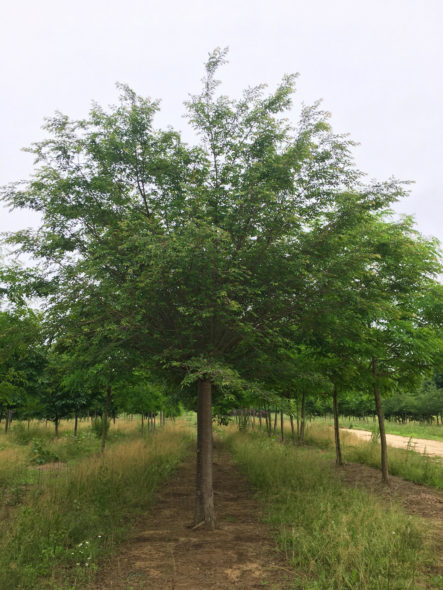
(204, 498)
(291, 418)
(75, 423)
(282, 426)
(105, 418)
(56, 426)
(8, 420)
(338, 457)
(297, 405)
(381, 426)
(302, 421)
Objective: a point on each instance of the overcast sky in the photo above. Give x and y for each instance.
(377, 65)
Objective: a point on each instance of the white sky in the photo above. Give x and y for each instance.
(378, 65)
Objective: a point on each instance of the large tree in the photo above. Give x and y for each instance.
(187, 260)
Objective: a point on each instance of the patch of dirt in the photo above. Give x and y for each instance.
(165, 554)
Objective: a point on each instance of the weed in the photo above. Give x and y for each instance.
(335, 537)
(41, 454)
(403, 462)
(69, 520)
(98, 425)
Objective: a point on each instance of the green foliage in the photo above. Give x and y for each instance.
(42, 454)
(98, 425)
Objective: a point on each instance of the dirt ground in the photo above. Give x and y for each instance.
(420, 445)
(166, 554)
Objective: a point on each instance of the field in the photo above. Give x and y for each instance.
(67, 511)
(65, 504)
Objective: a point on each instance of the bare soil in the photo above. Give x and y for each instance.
(166, 554)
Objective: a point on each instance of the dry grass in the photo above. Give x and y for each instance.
(77, 513)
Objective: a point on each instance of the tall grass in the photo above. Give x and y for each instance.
(78, 513)
(408, 464)
(336, 538)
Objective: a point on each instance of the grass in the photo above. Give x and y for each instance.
(335, 538)
(409, 429)
(74, 515)
(408, 464)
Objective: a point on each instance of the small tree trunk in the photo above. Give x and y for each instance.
(291, 419)
(381, 426)
(260, 419)
(75, 423)
(268, 422)
(105, 418)
(143, 423)
(297, 409)
(302, 421)
(8, 420)
(275, 421)
(204, 498)
(338, 457)
(282, 426)
(56, 421)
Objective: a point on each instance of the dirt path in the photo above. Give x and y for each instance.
(420, 445)
(167, 555)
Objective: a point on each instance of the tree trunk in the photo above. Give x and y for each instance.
(8, 420)
(381, 426)
(302, 421)
(105, 419)
(204, 499)
(268, 421)
(338, 457)
(297, 406)
(75, 424)
(291, 418)
(275, 421)
(143, 423)
(282, 426)
(56, 421)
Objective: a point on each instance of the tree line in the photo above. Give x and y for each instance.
(256, 262)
